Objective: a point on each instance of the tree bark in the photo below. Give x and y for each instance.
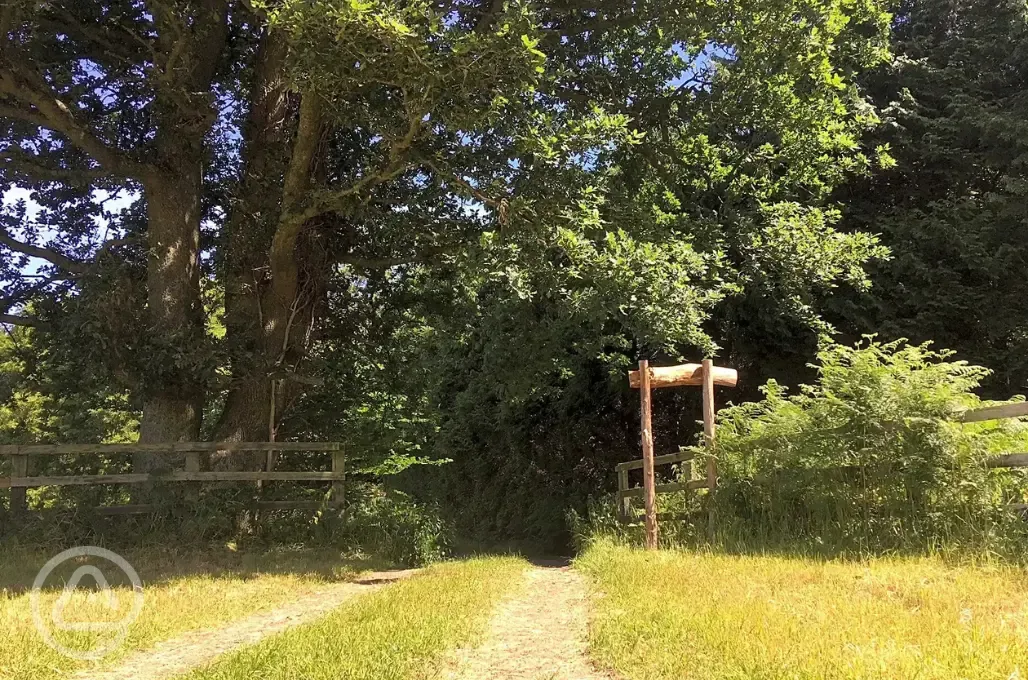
(249, 232)
(189, 45)
(270, 277)
(172, 402)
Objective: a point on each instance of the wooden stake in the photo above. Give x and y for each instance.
(192, 492)
(649, 485)
(339, 486)
(19, 501)
(708, 420)
(269, 462)
(624, 503)
(708, 439)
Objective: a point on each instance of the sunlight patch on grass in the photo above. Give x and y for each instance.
(400, 632)
(183, 592)
(697, 615)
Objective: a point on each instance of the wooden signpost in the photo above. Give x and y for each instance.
(646, 379)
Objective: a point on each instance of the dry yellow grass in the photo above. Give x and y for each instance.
(182, 593)
(402, 632)
(711, 616)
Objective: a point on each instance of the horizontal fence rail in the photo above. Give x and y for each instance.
(20, 479)
(1002, 411)
(626, 494)
(1015, 410)
(172, 447)
(1009, 460)
(667, 459)
(670, 487)
(146, 509)
(157, 478)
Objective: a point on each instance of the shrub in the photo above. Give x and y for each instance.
(393, 526)
(867, 459)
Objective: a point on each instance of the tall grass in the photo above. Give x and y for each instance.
(718, 617)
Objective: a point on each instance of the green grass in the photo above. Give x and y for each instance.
(398, 633)
(713, 616)
(183, 591)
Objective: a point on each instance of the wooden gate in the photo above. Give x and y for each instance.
(706, 375)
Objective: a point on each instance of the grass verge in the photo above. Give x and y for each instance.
(398, 633)
(695, 615)
(182, 592)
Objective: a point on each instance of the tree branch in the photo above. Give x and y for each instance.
(113, 243)
(17, 320)
(52, 256)
(29, 166)
(387, 262)
(308, 137)
(27, 115)
(488, 16)
(478, 194)
(118, 50)
(41, 106)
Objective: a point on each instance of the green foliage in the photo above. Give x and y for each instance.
(396, 528)
(867, 459)
(505, 205)
(952, 208)
(43, 401)
(38, 405)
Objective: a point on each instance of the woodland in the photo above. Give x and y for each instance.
(441, 232)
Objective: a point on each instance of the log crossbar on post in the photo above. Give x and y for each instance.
(706, 375)
(19, 480)
(686, 374)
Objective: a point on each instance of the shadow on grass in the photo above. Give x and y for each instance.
(848, 549)
(161, 565)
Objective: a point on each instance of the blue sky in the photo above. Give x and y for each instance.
(113, 206)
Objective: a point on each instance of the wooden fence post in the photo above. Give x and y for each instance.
(708, 421)
(339, 485)
(649, 485)
(192, 492)
(708, 439)
(19, 499)
(624, 502)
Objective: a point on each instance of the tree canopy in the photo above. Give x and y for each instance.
(636, 163)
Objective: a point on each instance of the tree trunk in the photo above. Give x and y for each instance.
(173, 399)
(268, 305)
(247, 418)
(249, 232)
(190, 40)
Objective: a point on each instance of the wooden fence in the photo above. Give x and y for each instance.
(1003, 460)
(20, 480)
(626, 493)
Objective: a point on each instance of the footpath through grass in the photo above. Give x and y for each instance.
(183, 592)
(710, 616)
(398, 633)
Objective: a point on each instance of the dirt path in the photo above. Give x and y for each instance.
(539, 634)
(180, 655)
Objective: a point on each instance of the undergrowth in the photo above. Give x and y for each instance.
(868, 460)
